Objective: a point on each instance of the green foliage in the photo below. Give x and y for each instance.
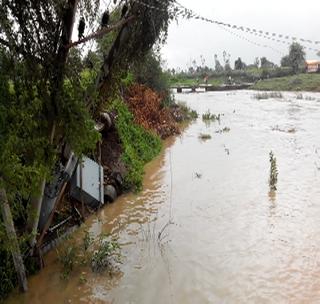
(128, 80)
(102, 256)
(296, 56)
(8, 277)
(285, 61)
(273, 179)
(67, 257)
(148, 71)
(44, 91)
(25, 152)
(92, 60)
(265, 63)
(87, 240)
(75, 120)
(139, 145)
(98, 254)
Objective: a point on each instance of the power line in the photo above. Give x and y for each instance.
(252, 42)
(280, 38)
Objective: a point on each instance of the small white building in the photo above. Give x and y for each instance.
(312, 66)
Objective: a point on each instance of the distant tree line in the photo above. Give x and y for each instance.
(292, 63)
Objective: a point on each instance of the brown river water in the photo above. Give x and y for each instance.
(225, 238)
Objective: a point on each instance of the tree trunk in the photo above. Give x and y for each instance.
(13, 240)
(34, 214)
(60, 62)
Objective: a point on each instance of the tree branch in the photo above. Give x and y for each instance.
(101, 32)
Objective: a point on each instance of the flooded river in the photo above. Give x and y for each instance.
(224, 238)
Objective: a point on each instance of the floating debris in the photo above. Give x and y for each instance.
(224, 130)
(198, 175)
(290, 130)
(204, 137)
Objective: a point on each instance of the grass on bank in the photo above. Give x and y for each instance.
(300, 82)
(139, 146)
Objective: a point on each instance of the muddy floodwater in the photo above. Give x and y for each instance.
(206, 228)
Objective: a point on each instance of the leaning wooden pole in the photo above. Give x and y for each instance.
(13, 240)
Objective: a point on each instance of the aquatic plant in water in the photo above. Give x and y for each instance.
(273, 179)
(204, 136)
(267, 95)
(210, 117)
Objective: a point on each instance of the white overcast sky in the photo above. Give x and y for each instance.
(189, 39)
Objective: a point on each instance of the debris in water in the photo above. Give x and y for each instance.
(224, 130)
(290, 130)
(204, 137)
(198, 175)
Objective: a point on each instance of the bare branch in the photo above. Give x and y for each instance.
(100, 32)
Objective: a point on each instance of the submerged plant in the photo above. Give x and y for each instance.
(204, 136)
(273, 179)
(68, 258)
(87, 240)
(211, 117)
(104, 255)
(267, 95)
(224, 130)
(100, 255)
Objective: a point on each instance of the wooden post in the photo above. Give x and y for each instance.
(13, 240)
